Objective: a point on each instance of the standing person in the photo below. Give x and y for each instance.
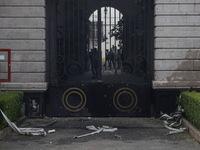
(104, 38)
(108, 35)
(112, 56)
(118, 59)
(107, 58)
(94, 61)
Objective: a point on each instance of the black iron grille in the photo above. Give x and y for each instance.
(98, 41)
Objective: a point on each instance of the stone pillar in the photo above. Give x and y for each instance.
(177, 44)
(22, 29)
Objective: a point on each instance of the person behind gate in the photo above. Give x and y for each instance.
(93, 56)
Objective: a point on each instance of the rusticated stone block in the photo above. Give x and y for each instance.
(22, 12)
(28, 56)
(173, 65)
(169, 76)
(196, 64)
(175, 84)
(177, 9)
(22, 2)
(185, 54)
(23, 44)
(28, 77)
(3, 75)
(178, 43)
(25, 34)
(30, 86)
(22, 67)
(162, 54)
(175, 32)
(177, 75)
(177, 20)
(176, 1)
(22, 23)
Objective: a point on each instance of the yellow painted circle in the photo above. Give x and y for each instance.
(72, 93)
(119, 106)
(74, 108)
(129, 104)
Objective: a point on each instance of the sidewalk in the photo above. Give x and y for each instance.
(136, 133)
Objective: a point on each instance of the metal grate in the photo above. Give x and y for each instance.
(99, 57)
(117, 30)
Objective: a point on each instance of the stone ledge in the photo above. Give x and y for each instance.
(24, 86)
(194, 132)
(175, 84)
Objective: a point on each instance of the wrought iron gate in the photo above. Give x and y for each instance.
(98, 54)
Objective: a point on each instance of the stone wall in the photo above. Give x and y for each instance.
(177, 44)
(176, 53)
(22, 29)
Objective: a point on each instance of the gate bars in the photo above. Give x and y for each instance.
(76, 29)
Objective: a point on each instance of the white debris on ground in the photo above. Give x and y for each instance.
(176, 117)
(24, 131)
(51, 131)
(97, 130)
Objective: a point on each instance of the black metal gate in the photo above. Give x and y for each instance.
(99, 57)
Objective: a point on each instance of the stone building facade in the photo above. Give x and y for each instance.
(22, 29)
(176, 45)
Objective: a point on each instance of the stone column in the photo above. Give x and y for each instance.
(177, 44)
(22, 29)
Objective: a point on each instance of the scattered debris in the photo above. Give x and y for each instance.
(173, 130)
(51, 131)
(176, 116)
(97, 130)
(119, 137)
(83, 120)
(24, 131)
(105, 128)
(51, 123)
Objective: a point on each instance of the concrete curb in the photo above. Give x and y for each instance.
(6, 131)
(194, 132)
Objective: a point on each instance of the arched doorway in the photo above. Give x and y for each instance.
(98, 52)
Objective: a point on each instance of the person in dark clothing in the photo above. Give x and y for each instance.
(112, 56)
(94, 62)
(104, 38)
(107, 58)
(118, 59)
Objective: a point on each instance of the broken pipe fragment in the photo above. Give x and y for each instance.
(97, 130)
